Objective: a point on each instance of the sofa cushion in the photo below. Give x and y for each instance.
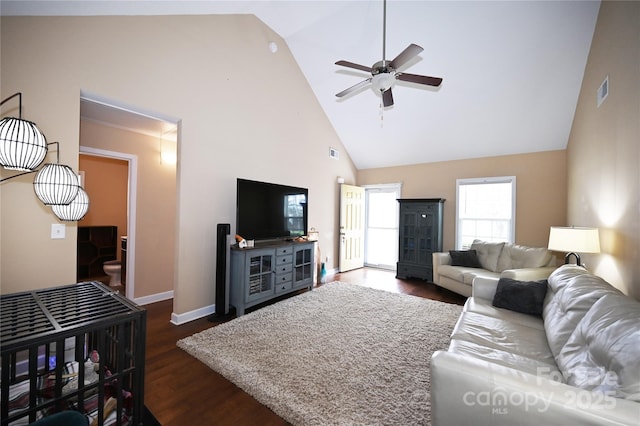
(466, 258)
(602, 353)
(525, 297)
(543, 368)
(488, 253)
(514, 256)
(571, 293)
(485, 307)
(503, 335)
(465, 275)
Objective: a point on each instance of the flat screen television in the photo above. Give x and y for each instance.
(269, 211)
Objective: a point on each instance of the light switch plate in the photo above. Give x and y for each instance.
(58, 231)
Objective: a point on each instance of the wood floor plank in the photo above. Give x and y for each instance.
(180, 390)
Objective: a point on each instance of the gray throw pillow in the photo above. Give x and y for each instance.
(526, 297)
(466, 258)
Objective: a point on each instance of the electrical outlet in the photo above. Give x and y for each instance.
(58, 231)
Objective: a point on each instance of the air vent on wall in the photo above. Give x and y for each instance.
(603, 91)
(333, 153)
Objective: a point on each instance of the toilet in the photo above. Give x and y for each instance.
(112, 269)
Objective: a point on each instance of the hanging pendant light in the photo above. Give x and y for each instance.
(22, 144)
(56, 184)
(75, 210)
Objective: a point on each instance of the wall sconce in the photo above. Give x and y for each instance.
(23, 147)
(572, 240)
(168, 147)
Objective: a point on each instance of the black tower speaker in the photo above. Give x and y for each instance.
(222, 306)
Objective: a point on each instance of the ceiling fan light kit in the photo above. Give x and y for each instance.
(384, 73)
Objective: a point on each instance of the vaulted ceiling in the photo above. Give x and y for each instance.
(512, 70)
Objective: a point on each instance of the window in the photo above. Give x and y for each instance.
(486, 210)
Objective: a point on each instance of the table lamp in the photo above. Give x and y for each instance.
(573, 240)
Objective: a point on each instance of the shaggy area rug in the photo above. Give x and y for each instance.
(342, 354)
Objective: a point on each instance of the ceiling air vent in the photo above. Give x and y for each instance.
(603, 91)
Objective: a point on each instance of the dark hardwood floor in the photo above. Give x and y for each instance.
(180, 390)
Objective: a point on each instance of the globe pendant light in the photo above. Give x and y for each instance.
(75, 210)
(22, 145)
(56, 184)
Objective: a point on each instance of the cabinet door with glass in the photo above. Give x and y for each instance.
(303, 265)
(420, 235)
(260, 269)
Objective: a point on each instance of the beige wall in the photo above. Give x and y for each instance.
(243, 112)
(155, 236)
(540, 189)
(106, 179)
(604, 147)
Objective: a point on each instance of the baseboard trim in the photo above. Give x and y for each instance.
(158, 297)
(179, 319)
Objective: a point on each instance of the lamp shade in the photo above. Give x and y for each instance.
(22, 144)
(75, 210)
(56, 184)
(573, 239)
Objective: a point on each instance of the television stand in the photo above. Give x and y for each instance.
(269, 270)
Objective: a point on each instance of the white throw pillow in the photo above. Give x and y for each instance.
(488, 254)
(516, 257)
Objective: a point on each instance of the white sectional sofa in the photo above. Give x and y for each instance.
(456, 270)
(576, 364)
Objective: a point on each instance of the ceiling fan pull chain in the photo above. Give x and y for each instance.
(381, 115)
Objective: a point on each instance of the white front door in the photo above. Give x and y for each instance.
(352, 209)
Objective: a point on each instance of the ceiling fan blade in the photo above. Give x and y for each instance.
(354, 88)
(352, 65)
(420, 79)
(387, 98)
(405, 56)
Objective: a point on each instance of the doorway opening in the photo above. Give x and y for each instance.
(381, 225)
(148, 143)
(132, 167)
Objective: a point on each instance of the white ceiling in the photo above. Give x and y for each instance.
(512, 70)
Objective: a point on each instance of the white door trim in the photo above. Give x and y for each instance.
(131, 210)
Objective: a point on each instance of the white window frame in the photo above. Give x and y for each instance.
(486, 180)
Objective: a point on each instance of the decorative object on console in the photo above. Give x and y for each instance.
(573, 240)
(23, 147)
(242, 243)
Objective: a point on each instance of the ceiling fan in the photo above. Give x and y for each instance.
(385, 73)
